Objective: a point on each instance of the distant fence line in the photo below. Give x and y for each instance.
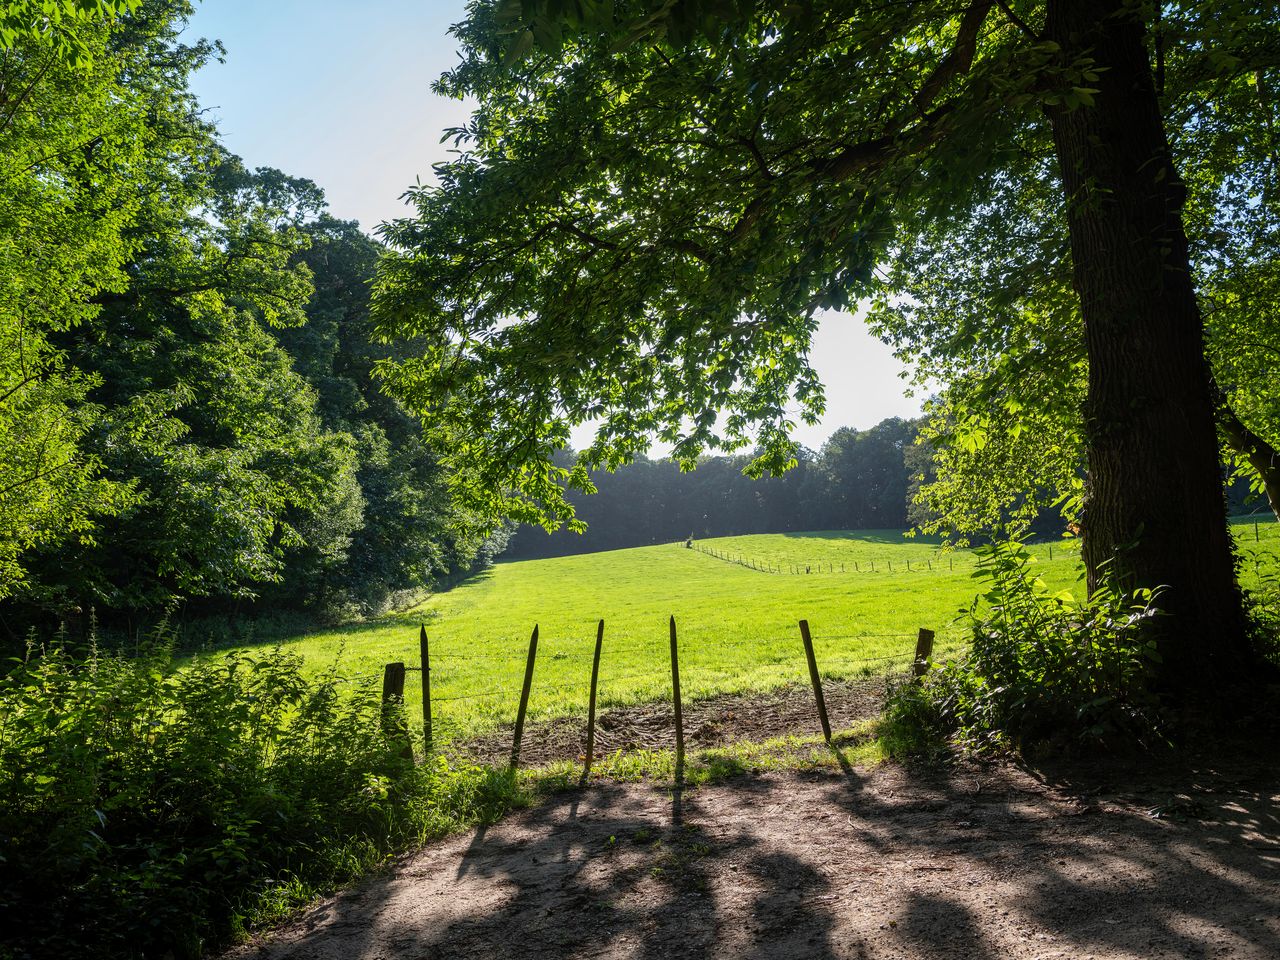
(394, 674)
(801, 568)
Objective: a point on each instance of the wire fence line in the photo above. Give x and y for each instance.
(944, 564)
(393, 686)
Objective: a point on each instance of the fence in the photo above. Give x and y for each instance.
(883, 565)
(394, 674)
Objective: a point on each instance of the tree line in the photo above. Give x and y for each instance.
(859, 479)
(873, 479)
(188, 417)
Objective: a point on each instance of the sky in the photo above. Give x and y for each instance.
(340, 93)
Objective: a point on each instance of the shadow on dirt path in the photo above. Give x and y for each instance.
(966, 862)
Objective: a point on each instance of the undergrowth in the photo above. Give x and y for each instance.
(1042, 669)
(150, 811)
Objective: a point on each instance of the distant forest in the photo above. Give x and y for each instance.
(860, 479)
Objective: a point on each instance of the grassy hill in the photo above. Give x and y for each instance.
(737, 626)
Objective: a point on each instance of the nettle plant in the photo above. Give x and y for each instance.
(1045, 667)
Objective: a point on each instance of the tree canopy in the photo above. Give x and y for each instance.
(653, 199)
(187, 413)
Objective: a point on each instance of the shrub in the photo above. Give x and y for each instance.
(1041, 668)
(147, 810)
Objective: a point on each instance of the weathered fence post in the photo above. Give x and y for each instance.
(924, 650)
(591, 703)
(524, 698)
(392, 704)
(426, 689)
(392, 690)
(675, 699)
(815, 679)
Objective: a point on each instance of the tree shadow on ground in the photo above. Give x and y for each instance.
(966, 861)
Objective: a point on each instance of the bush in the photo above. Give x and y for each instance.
(1042, 668)
(147, 810)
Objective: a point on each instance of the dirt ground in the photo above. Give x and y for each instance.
(965, 861)
(714, 722)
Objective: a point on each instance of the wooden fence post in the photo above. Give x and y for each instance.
(815, 679)
(675, 699)
(924, 650)
(524, 698)
(426, 689)
(591, 703)
(392, 705)
(393, 688)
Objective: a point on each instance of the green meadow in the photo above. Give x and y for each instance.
(736, 626)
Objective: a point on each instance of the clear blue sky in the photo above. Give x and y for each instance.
(340, 93)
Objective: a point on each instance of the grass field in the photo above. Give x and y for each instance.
(737, 626)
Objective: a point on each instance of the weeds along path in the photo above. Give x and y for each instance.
(966, 862)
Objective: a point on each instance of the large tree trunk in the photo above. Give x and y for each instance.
(1154, 498)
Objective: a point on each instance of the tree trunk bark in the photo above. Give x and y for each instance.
(1154, 500)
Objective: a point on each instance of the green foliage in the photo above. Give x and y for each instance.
(857, 481)
(73, 147)
(409, 532)
(201, 414)
(149, 810)
(979, 295)
(1042, 668)
(640, 234)
(57, 24)
(186, 409)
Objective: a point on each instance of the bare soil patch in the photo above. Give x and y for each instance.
(715, 722)
(967, 861)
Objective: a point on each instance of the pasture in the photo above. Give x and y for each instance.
(737, 626)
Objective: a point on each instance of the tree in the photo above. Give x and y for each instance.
(982, 301)
(410, 533)
(866, 476)
(655, 201)
(73, 147)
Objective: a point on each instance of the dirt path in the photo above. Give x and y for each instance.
(970, 862)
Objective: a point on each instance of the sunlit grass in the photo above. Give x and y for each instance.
(737, 627)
